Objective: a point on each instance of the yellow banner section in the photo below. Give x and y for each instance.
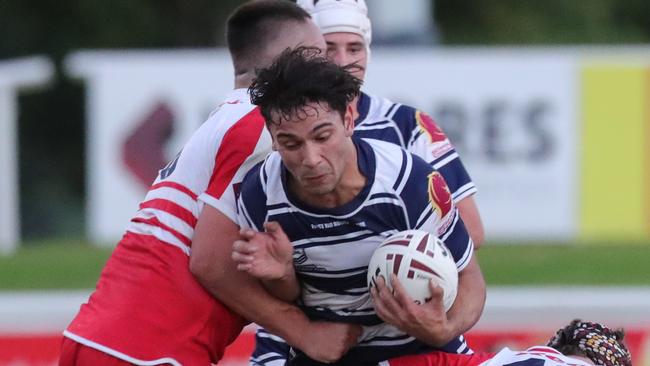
(614, 185)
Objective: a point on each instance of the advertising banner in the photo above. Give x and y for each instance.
(529, 125)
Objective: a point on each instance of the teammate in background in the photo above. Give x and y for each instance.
(147, 308)
(328, 199)
(348, 34)
(579, 343)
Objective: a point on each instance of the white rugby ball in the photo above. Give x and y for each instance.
(416, 257)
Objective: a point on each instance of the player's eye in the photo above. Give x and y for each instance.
(289, 145)
(323, 137)
(355, 50)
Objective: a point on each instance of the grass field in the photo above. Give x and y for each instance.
(73, 264)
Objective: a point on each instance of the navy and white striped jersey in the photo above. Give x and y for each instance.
(382, 119)
(415, 131)
(332, 247)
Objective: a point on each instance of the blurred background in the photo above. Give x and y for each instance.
(546, 102)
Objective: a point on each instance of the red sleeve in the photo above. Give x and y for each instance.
(441, 359)
(237, 145)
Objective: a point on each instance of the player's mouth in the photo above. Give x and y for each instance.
(314, 178)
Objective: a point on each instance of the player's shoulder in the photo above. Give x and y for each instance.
(395, 163)
(393, 154)
(405, 117)
(235, 109)
(373, 108)
(265, 174)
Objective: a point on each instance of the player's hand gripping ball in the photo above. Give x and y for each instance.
(416, 257)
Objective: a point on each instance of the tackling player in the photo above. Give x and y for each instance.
(147, 308)
(328, 199)
(578, 344)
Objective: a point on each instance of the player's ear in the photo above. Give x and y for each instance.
(274, 143)
(348, 120)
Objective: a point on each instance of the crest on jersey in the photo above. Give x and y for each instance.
(439, 194)
(429, 127)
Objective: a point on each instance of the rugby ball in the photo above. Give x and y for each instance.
(416, 257)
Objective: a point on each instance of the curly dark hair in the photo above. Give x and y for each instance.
(300, 76)
(602, 345)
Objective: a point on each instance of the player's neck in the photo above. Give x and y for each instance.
(244, 80)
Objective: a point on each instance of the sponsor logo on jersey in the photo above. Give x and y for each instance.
(439, 194)
(429, 127)
(333, 224)
(437, 138)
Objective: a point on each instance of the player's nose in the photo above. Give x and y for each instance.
(310, 155)
(338, 57)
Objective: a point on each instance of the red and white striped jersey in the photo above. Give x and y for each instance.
(147, 308)
(207, 170)
(534, 356)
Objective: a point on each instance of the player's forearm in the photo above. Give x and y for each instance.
(247, 297)
(470, 300)
(286, 288)
(468, 211)
(211, 265)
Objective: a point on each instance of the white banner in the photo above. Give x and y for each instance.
(513, 117)
(15, 75)
(141, 108)
(511, 113)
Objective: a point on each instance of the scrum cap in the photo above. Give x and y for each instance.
(334, 16)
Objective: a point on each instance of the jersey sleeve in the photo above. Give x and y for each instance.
(440, 358)
(430, 207)
(270, 350)
(428, 141)
(242, 146)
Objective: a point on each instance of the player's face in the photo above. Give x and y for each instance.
(294, 34)
(316, 150)
(347, 48)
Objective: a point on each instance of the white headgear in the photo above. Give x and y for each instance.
(333, 16)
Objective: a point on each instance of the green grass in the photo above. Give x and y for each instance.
(581, 264)
(73, 264)
(53, 264)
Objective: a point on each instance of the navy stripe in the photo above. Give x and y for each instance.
(334, 242)
(383, 194)
(443, 157)
(390, 110)
(402, 170)
(416, 136)
(384, 338)
(457, 239)
(325, 314)
(338, 285)
(425, 218)
(363, 106)
(265, 177)
(277, 206)
(344, 271)
(455, 175)
(376, 123)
